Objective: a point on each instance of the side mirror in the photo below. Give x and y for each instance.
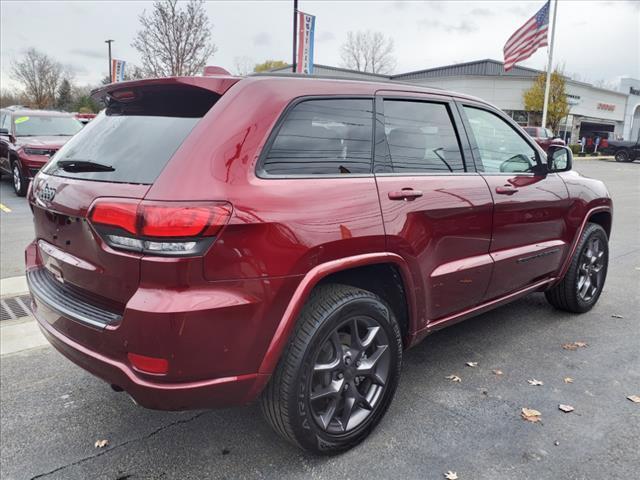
(559, 158)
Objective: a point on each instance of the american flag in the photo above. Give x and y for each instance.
(528, 38)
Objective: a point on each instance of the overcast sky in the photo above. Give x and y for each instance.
(598, 40)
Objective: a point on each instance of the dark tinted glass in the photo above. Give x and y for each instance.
(421, 137)
(135, 138)
(323, 137)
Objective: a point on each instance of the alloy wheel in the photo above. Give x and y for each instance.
(17, 182)
(591, 269)
(350, 373)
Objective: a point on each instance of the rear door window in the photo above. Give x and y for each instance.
(132, 140)
(323, 137)
(421, 137)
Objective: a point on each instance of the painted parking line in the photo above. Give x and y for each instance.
(4, 208)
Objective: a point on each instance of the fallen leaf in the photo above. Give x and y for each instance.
(451, 475)
(101, 443)
(567, 380)
(471, 364)
(615, 315)
(580, 344)
(535, 382)
(634, 398)
(569, 346)
(497, 372)
(566, 408)
(530, 415)
(453, 378)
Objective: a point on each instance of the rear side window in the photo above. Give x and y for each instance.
(421, 137)
(132, 140)
(323, 137)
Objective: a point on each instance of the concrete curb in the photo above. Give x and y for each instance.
(10, 287)
(19, 335)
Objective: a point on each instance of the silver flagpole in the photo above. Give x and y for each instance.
(547, 87)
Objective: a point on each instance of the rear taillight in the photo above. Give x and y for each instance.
(160, 228)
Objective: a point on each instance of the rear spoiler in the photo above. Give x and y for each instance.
(218, 84)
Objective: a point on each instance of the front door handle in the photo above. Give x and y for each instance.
(406, 194)
(506, 190)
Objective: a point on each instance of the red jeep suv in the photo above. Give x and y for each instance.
(28, 138)
(209, 241)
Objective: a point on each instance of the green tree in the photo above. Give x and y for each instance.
(86, 104)
(64, 100)
(269, 65)
(558, 105)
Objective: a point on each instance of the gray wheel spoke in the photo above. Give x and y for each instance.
(349, 403)
(368, 364)
(356, 341)
(370, 337)
(326, 417)
(585, 287)
(330, 391)
(328, 367)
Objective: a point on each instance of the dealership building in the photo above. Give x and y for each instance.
(593, 110)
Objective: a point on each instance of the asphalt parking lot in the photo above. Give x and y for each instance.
(52, 412)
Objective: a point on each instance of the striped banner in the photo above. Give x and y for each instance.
(306, 29)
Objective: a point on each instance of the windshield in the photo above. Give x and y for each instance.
(42, 126)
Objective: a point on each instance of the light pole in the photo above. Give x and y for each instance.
(109, 43)
(295, 32)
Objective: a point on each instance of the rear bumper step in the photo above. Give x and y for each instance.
(67, 300)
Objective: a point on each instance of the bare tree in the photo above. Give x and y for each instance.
(243, 65)
(40, 75)
(368, 51)
(174, 41)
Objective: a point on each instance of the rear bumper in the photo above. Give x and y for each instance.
(213, 335)
(215, 393)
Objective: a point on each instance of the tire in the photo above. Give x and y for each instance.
(589, 264)
(19, 181)
(312, 363)
(622, 156)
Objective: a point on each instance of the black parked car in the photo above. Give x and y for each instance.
(624, 150)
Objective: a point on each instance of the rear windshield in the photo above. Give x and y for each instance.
(40, 125)
(132, 141)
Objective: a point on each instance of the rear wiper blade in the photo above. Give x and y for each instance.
(83, 166)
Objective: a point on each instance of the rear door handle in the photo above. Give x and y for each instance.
(506, 190)
(405, 194)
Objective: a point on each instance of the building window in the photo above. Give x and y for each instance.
(521, 117)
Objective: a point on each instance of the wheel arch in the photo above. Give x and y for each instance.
(602, 218)
(596, 215)
(350, 271)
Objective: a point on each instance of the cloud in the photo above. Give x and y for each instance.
(462, 27)
(262, 38)
(90, 53)
(481, 12)
(325, 36)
